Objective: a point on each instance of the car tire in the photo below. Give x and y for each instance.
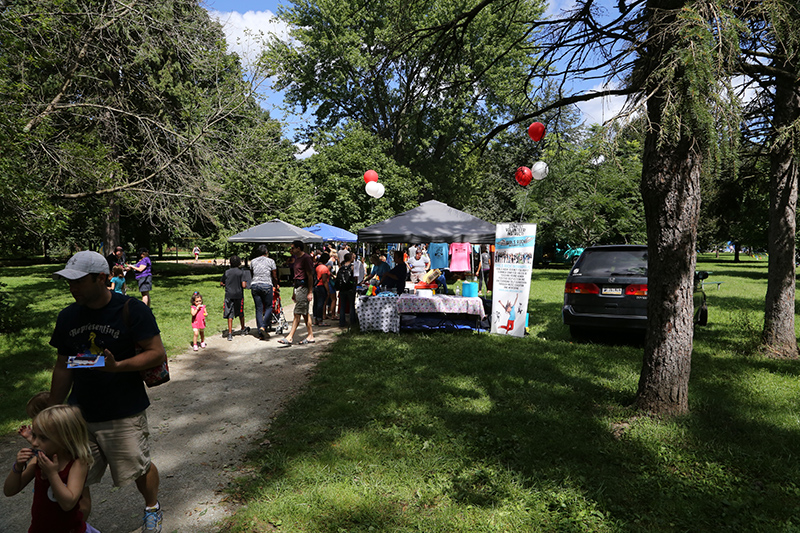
(578, 332)
(701, 316)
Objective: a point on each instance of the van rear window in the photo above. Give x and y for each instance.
(614, 263)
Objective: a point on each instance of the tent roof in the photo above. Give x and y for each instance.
(332, 233)
(432, 221)
(275, 231)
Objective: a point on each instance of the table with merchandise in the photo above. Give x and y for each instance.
(378, 313)
(440, 303)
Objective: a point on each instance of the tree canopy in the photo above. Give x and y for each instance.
(115, 107)
(428, 77)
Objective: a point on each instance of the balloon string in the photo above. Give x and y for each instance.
(522, 215)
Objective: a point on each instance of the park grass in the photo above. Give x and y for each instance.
(466, 432)
(472, 432)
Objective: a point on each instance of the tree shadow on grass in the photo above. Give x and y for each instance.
(551, 417)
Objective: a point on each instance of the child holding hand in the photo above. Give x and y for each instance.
(58, 464)
(199, 314)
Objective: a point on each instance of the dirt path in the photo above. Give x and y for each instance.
(218, 402)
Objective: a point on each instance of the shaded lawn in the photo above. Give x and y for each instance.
(463, 432)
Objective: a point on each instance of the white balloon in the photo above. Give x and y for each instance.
(372, 188)
(380, 191)
(539, 170)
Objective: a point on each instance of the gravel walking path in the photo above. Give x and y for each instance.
(219, 401)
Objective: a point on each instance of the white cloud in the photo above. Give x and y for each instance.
(556, 7)
(600, 110)
(304, 151)
(246, 33)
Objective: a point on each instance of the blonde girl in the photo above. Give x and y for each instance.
(199, 314)
(58, 463)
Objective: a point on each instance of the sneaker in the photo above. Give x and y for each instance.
(230, 336)
(194, 347)
(203, 344)
(152, 520)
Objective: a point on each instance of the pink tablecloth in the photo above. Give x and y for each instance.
(440, 303)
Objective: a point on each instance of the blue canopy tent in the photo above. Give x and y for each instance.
(332, 233)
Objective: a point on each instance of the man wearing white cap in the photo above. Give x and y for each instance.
(113, 398)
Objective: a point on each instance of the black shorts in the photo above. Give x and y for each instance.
(233, 307)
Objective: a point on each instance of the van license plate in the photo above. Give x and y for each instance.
(612, 291)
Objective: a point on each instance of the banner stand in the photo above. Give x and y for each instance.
(513, 265)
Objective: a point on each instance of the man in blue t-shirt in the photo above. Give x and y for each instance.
(112, 398)
(379, 267)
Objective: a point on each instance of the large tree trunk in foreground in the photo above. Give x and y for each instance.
(671, 192)
(671, 168)
(778, 336)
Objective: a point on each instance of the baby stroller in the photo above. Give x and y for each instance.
(278, 320)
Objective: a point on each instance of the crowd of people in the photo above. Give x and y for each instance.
(104, 426)
(324, 282)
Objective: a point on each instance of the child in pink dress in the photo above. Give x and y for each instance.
(199, 314)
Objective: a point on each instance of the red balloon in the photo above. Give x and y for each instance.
(370, 175)
(523, 176)
(536, 131)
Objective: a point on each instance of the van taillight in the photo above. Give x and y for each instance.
(636, 290)
(581, 288)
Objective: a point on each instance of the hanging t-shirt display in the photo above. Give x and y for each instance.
(390, 248)
(438, 252)
(459, 257)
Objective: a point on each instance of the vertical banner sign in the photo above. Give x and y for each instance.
(513, 263)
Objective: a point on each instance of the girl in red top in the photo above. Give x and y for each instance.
(58, 464)
(199, 314)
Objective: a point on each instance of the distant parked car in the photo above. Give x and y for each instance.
(607, 288)
(556, 254)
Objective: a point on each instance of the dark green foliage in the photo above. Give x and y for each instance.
(336, 174)
(137, 104)
(427, 78)
(13, 310)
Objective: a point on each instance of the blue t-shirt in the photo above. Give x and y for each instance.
(380, 269)
(439, 252)
(118, 282)
(102, 395)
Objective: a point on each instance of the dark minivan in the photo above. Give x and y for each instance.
(607, 289)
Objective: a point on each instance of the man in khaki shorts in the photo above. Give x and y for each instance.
(303, 279)
(112, 397)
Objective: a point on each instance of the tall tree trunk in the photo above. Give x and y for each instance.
(778, 336)
(671, 192)
(111, 233)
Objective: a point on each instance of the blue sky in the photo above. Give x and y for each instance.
(258, 16)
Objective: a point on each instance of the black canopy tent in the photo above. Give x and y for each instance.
(432, 221)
